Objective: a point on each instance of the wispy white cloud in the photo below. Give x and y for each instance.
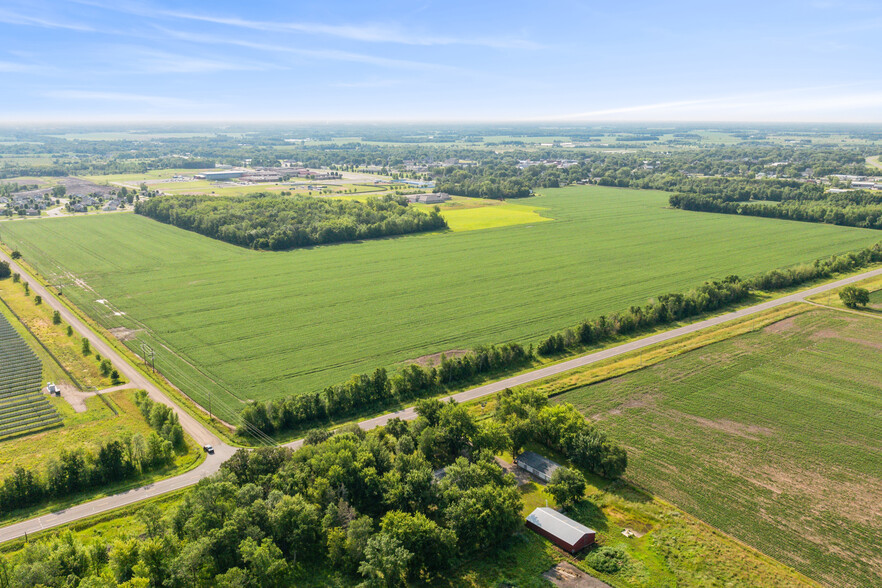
(371, 33)
(369, 84)
(327, 54)
(814, 103)
(159, 62)
(384, 32)
(16, 18)
(122, 98)
(13, 67)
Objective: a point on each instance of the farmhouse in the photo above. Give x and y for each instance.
(560, 529)
(537, 465)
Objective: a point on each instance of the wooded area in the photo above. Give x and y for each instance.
(267, 221)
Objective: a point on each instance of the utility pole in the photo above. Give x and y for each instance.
(146, 350)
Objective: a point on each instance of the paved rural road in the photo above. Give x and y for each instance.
(211, 465)
(223, 451)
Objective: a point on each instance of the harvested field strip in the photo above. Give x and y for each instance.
(779, 446)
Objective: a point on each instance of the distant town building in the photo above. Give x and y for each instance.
(866, 185)
(214, 176)
(429, 198)
(560, 529)
(415, 183)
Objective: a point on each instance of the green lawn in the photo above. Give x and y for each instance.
(772, 437)
(261, 324)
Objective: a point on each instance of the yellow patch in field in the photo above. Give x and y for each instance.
(488, 217)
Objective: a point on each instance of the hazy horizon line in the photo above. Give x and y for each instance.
(410, 121)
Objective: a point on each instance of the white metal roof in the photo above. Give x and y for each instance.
(537, 462)
(558, 525)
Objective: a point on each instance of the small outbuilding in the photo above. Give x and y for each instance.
(537, 465)
(560, 529)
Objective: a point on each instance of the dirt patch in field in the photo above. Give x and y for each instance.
(124, 334)
(435, 358)
(566, 575)
(823, 334)
(871, 344)
(856, 499)
(781, 326)
(726, 426)
(641, 400)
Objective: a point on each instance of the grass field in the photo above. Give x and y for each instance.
(772, 437)
(263, 324)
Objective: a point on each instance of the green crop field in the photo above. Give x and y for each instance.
(773, 437)
(248, 324)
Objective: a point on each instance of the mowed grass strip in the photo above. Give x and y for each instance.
(772, 437)
(265, 324)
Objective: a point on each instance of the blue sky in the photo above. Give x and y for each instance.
(116, 60)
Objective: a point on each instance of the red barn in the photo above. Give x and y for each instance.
(560, 530)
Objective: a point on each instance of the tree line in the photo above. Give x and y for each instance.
(378, 388)
(832, 211)
(162, 418)
(267, 221)
(667, 308)
(482, 182)
(670, 308)
(355, 507)
(81, 469)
